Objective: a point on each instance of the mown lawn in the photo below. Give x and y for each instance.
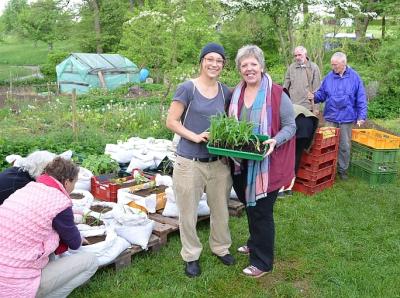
(343, 242)
(13, 72)
(16, 51)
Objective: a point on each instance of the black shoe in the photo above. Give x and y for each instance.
(192, 269)
(343, 176)
(227, 259)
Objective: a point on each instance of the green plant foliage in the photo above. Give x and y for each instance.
(250, 28)
(53, 58)
(163, 35)
(227, 132)
(100, 164)
(384, 107)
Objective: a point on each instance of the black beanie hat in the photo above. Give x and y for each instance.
(212, 48)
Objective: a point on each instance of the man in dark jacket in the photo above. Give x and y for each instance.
(345, 100)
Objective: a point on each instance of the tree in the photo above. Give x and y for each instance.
(167, 35)
(11, 14)
(43, 20)
(281, 12)
(105, 18)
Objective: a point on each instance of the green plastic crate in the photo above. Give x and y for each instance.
(372, 177)
(239, 154)
(375, 160)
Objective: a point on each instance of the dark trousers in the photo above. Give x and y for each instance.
(260, 219)
(300, 146)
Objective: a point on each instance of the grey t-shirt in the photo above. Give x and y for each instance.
(198, 110)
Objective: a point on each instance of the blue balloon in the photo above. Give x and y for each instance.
(144, 73)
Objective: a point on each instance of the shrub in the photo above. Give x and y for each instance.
(384, 107)
(53, 58)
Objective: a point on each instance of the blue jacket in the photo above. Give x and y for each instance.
(345, 97)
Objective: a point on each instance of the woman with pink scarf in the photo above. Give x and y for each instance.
(258, 100)
(34, 220)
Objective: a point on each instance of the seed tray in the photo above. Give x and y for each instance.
(239, 154)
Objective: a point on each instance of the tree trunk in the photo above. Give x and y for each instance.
(383, 27)
(361, 25)
(283, 43)
(97, 26)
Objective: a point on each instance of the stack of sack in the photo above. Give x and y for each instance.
(140, 153)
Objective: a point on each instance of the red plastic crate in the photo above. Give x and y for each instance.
(314, 175)
(326, 137)
(317, 162)
(321, 178)
(311, 190)
(104, 190)
(319, 151)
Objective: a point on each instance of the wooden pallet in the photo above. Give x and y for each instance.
(125, 258)
(235, 208)
(163, 226)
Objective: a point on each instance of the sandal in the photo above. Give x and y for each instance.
(254, 272)
(244, 250)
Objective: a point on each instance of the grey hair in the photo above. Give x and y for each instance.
(301, 48)
(250, 51)
(35, 162)
(340, 56)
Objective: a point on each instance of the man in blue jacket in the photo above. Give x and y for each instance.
(345, 100)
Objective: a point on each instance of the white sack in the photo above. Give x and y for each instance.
(171, 209)
(107, 250)
(136, 234)
(84, 177)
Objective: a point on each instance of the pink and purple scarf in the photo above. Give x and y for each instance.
(261, 116)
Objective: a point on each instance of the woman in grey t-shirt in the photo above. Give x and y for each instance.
(195, 170)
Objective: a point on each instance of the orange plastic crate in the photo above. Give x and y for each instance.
(375, 139)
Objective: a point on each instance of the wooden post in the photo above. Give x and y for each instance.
(74, 128)
(11, 96)
(101, 78)
(48, 91)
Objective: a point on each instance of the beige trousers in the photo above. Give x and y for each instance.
(61, 276)
(190, 180)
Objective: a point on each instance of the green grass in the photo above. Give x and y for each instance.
(9, 71)
(392, 125)
(342, 242)
(15, 51)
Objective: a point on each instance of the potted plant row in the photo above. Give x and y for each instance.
(233, 138)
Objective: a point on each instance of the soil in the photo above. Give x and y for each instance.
(93, 221)
(76, 196)
(95, 239)
(136, 91)
(100, 209)
(149, 191)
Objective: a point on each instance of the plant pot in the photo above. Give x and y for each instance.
(240, 154)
